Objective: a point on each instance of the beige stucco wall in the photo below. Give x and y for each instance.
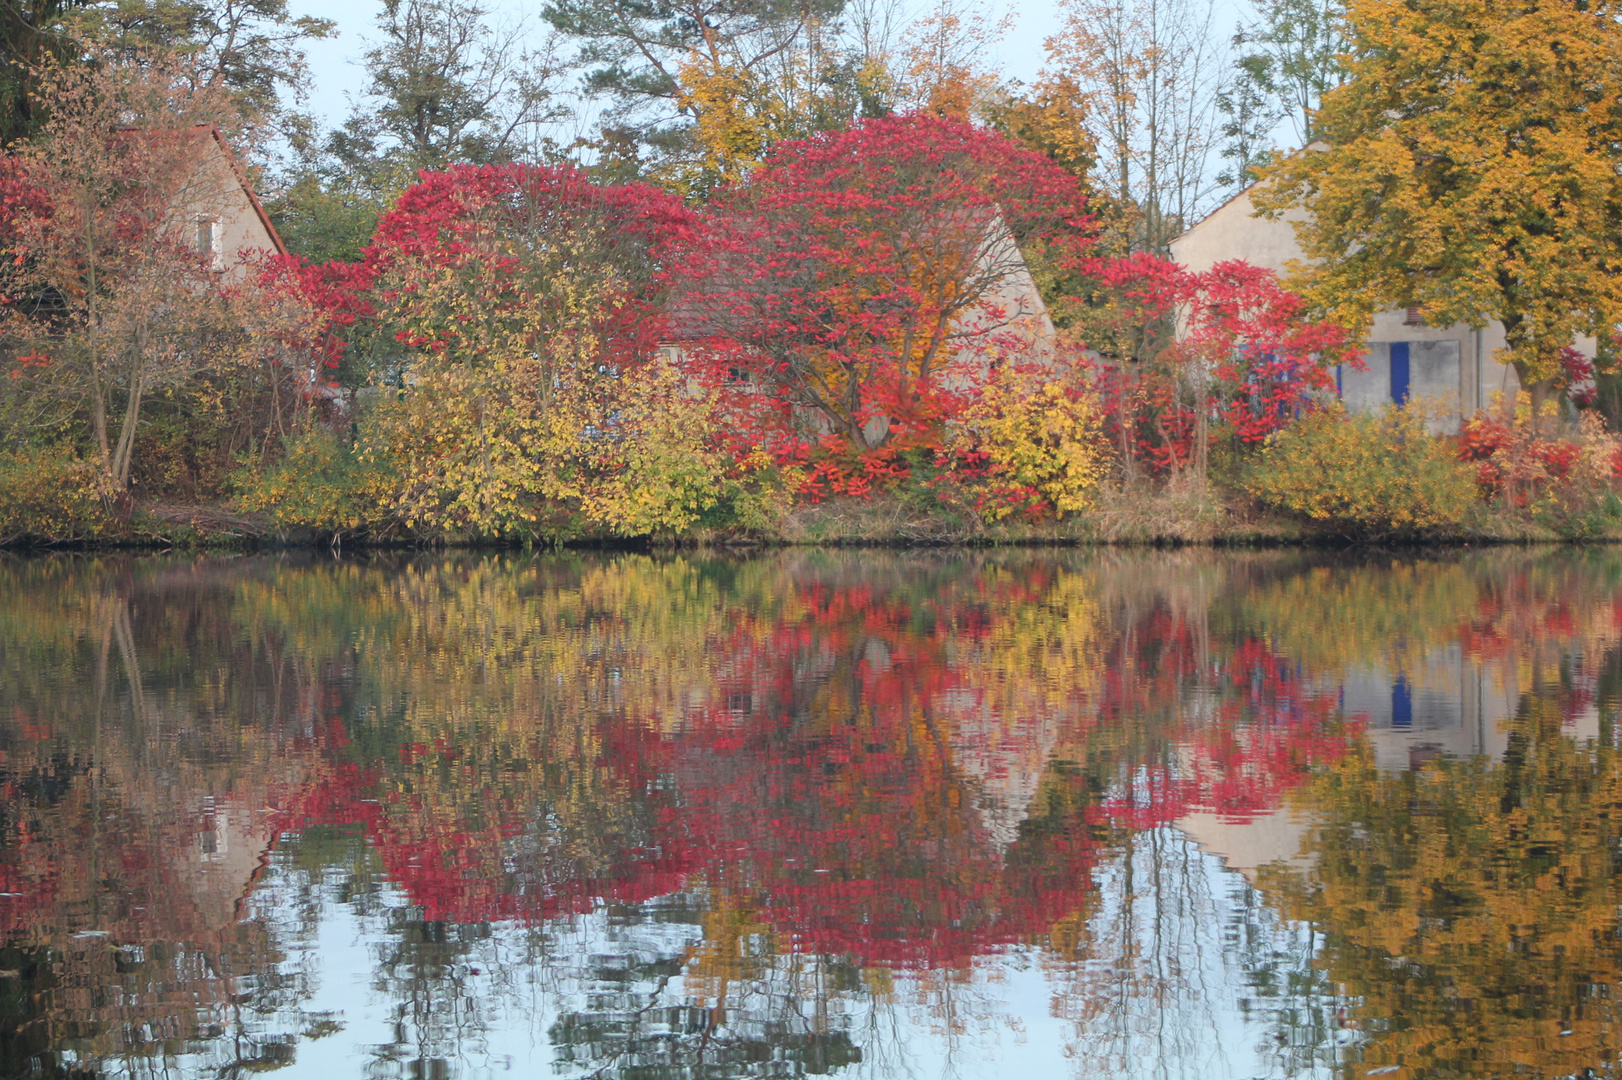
(1232, 231)
(1010, 321)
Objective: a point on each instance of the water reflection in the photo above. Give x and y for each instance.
(1118, 814)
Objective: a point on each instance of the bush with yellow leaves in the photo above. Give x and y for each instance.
(518, 449)
(324, 483)
(1043, 447)
(50, 495)
(1366, 475)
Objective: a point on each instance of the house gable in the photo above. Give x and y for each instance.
(215, 206)
(241, 225)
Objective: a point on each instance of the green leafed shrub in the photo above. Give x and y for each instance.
(1366, 475)
(49, 495)
(324, 483)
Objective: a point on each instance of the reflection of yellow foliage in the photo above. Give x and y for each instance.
(1470, 908)
(1392, 612)
(735, 947)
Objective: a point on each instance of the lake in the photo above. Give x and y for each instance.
(1028, 814)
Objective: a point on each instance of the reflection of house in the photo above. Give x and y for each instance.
(1447, 704)
(1248, 843)
(1005, 757)
(234, 842)
(1443, 705)
(1452, 365)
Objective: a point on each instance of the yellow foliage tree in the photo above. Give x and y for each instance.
(740, 105)
(946, 64)
(519, 416)
(736, 117)
(1471, 169)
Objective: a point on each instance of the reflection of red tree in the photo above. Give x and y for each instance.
(29, 877)
(482, 854)
(1273, 730)
(836, 795)
(823, 790)
(857, 837)
(1268, 729)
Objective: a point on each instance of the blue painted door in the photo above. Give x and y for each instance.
(1399, 372)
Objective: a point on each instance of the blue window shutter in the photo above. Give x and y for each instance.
(1399, 372)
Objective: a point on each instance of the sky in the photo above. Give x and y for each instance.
(337, 76)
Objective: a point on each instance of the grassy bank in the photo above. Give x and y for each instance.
(885, 519)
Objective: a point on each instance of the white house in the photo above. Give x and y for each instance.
(1452, 366)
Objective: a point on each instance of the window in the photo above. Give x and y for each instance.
(209, 241)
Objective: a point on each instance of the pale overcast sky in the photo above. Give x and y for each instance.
(337, 74)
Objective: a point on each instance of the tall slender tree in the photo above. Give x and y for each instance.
(645, 56)
(1151, 72)
(31, 31)
(447, 85)
(1288, 57)
(1294, 53)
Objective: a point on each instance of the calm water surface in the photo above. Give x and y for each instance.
(868, 815)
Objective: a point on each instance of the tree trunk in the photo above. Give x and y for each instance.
(1202, 435)
(1542, 392)
(98, 418)
(1129, 465)
(125, 450)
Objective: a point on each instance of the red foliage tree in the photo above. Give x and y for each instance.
(1244, 352)
(637, 238)
(20, 200)
(339, 291)
(640, 241)
(860, 272)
